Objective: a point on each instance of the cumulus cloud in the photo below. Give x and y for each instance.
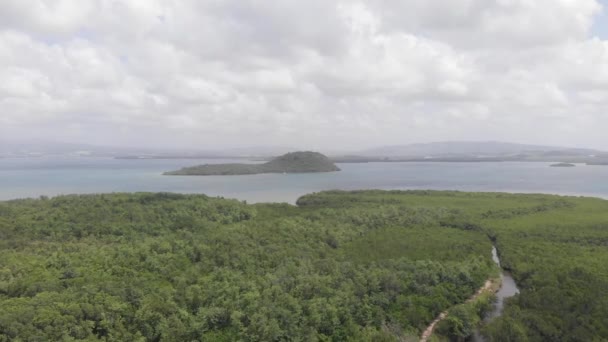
(346, 74)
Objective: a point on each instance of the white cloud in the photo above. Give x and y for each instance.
(453, 88)
(312, 73)
(46, 17)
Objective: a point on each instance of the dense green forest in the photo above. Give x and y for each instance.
(359, 266)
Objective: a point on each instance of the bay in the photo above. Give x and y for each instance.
(50, 176)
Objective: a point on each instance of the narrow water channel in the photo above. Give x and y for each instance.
(508, 288)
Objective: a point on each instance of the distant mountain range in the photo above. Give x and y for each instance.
(436, 151)
(472, 148)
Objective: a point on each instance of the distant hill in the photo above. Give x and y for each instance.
(474, 148)
(294, 162)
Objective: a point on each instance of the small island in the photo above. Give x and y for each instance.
(294, 162)
(562, 165)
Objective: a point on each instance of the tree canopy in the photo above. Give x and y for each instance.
(358, 266)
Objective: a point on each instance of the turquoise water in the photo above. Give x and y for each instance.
(33, 177)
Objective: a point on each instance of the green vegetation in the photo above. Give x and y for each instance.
(295, 162)
(359, 266)
(464, 319)
(562, 165)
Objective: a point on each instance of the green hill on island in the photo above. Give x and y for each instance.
(294, 162)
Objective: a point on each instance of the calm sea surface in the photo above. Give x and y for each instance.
(33, 177)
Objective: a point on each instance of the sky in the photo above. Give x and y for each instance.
(317, 74)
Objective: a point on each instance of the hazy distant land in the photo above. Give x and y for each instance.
(449, 151)
(294, 162)
(458, 151)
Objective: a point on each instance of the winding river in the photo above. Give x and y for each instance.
(508, 288)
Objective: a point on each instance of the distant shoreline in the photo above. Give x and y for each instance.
(144, 157)
(365, 160)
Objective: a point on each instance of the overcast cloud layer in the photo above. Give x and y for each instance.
(313, 73)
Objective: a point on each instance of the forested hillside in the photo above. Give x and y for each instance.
(357, 266)
(293, 162)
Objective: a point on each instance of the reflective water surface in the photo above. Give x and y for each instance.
(32, 177)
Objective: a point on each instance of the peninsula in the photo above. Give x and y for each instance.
(294, 162)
